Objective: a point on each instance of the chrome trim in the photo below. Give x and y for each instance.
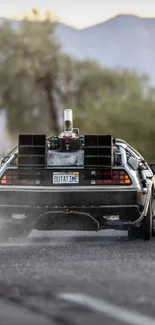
(68, 188)
(67, 206)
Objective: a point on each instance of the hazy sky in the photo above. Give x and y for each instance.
(80, 13)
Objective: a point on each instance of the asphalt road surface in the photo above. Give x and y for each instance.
(77, 279)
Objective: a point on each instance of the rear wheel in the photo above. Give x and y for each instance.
(145, 231)
(153, 217)
(146, 227)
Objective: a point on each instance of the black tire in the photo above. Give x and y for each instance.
(133, 233)
(153, 218)
(146, 227)
(153, 226)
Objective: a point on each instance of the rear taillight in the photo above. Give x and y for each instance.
(113, 177)
(21, 177)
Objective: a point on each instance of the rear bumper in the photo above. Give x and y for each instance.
(97, 201)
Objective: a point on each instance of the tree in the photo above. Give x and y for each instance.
(95, 90)
(29, 67)
(118, 102)
(37, 81)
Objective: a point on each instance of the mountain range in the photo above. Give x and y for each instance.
(124, 41)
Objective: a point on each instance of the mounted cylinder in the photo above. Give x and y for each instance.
(68, 120)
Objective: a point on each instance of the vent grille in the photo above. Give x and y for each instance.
(98, 151)
(32, 151)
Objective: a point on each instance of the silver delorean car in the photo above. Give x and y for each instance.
(75, 182)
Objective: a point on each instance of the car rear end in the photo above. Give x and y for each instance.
(103, 188)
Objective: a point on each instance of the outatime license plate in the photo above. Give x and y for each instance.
(65, 178)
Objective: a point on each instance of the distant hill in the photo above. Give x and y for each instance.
(126, 41)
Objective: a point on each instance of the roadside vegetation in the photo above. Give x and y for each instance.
(38, 80)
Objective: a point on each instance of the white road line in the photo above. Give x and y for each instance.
(115, 312)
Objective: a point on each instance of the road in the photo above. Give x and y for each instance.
(77, 279)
